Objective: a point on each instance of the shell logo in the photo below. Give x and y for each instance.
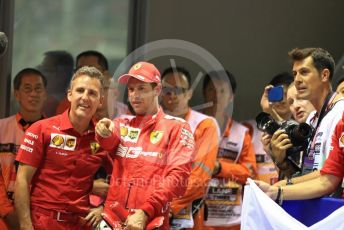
(58, 140)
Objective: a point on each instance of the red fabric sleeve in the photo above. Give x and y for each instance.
(334, 164)
(31, 149)
(108, 163)
(177, 171)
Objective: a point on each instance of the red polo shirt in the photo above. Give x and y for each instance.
(66, 163)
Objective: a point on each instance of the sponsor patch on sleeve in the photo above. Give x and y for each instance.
(29, 134)
(26, 148)
(187, 139)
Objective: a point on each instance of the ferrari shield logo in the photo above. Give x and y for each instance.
(155, 136)
(94, 147)
(71, 142)
(137, 66)
(341, 141)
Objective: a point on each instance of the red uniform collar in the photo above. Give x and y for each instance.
(66, 124)
(148, 119)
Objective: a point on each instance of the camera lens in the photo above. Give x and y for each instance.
(300, 133)
(266, 123)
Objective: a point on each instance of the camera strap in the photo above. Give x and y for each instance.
(327, 106)
(324, 110)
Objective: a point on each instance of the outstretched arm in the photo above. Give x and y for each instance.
(105, 134)
(22, 195)
(317, 187)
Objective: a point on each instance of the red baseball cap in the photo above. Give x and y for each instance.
(142, 71)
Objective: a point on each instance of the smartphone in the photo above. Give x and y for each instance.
(276, 94)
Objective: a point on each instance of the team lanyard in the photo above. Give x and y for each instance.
(327, 106)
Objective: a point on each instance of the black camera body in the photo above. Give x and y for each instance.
(298, 134)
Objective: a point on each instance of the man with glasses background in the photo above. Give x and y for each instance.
(176, 93)
(30, 92)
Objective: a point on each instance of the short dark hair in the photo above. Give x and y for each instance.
(178, 69)
(222, 75)
(102, 61)
(284, 78)
(62, 59)
(27, 71)
(57, 61)
(322, 59)
(90, 71)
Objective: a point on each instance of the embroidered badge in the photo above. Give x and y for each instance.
(186, 139)
(155, 136)
(128, 133)
(124, 131)
(62, 141)
(70, 142)
(341, 141)
(57, 140)
(133, 134)
(94, 147)
(137, 66)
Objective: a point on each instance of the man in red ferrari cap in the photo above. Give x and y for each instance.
(153, 151)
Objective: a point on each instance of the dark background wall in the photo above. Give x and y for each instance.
(250, 38)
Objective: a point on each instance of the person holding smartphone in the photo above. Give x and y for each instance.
(274, 100)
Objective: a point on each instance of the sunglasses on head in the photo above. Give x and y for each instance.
(174, 90)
